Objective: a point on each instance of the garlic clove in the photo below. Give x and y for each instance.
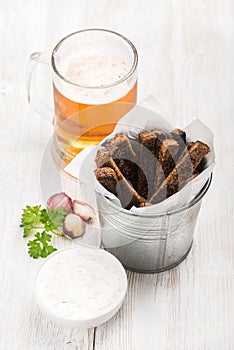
(73, 226)
(60, 200)
(84, 210)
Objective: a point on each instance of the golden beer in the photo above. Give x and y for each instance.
(94, 85)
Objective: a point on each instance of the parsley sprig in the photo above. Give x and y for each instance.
(39, 247)
(41, 223)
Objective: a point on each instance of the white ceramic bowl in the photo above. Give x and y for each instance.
(80, 286)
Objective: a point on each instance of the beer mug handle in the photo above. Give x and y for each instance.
(33, 91)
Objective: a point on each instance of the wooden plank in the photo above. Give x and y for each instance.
(190, 306)
(24, 26)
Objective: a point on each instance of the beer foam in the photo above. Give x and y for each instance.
(96, 68)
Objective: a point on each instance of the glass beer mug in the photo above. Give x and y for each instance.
(94, 79)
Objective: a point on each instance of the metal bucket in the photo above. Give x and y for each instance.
(151, 243)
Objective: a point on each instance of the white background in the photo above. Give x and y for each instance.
(186, 61)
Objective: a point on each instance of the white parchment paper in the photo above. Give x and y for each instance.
(145, 117)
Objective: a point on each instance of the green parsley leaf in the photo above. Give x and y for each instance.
(46, 220)
(30, 218)
(39, 247)
(52, 219)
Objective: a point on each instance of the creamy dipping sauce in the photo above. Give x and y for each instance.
(80, 283)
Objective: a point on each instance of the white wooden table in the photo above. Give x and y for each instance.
(186, 50)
